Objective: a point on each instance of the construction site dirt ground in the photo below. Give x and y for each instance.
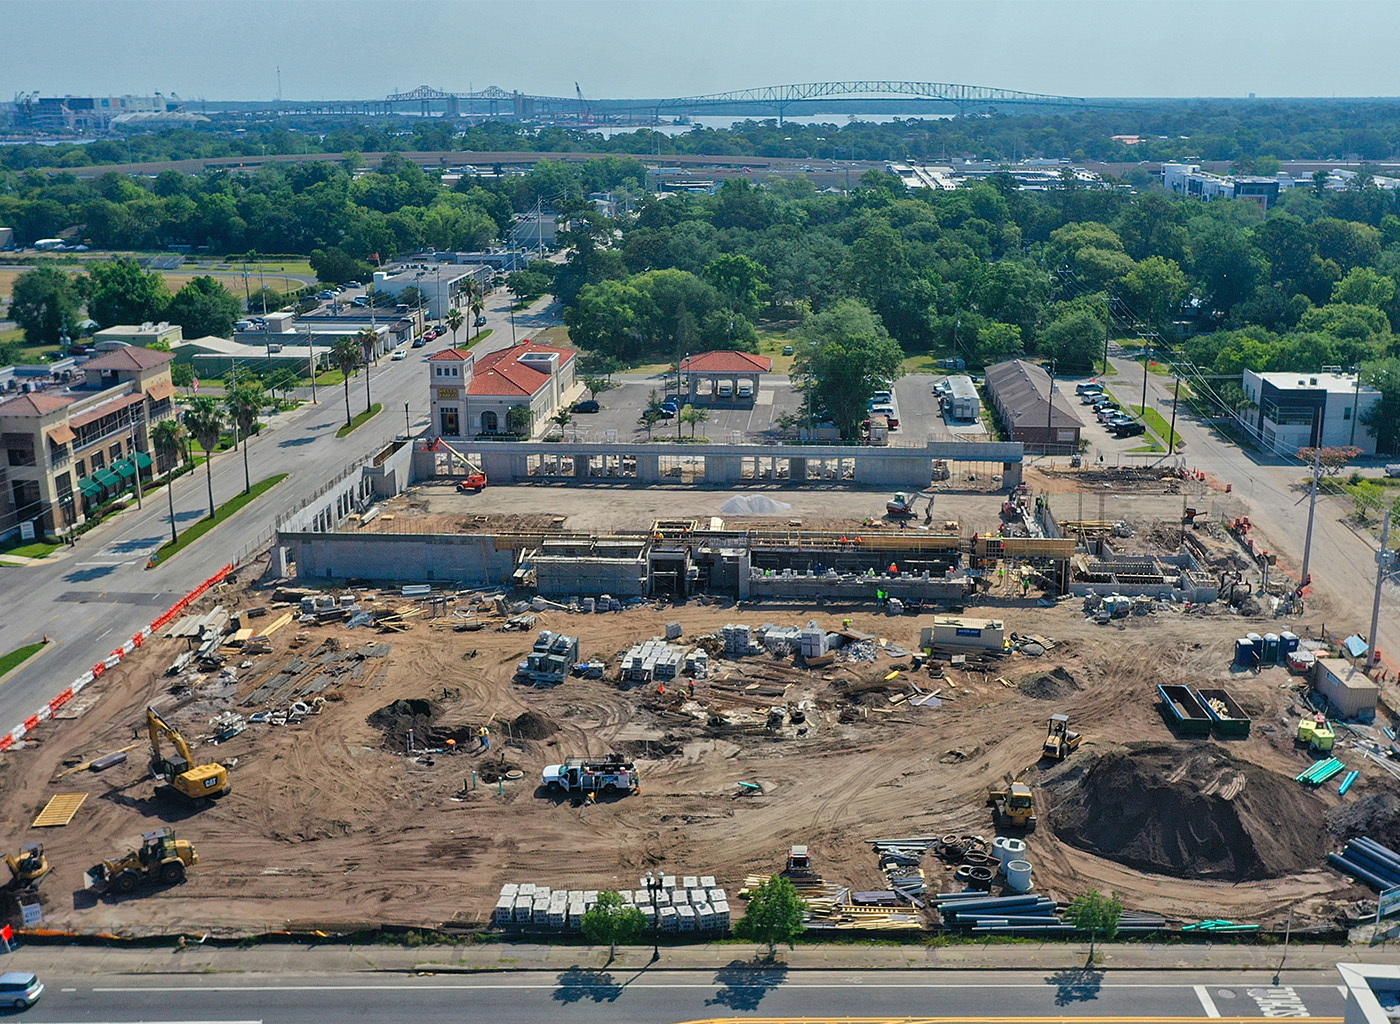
(331, 824)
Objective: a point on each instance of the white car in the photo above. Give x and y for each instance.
(20, 989)
(399, 354)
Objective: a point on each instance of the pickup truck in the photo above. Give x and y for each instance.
(1393, 469)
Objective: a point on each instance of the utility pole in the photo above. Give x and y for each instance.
(1312, 509)
(1382, 558)
(1355, 403)
(311, 363)
(1049, 408)
(1146, 359)
(407, 427)
(1176, 394)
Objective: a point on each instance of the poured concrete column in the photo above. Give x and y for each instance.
(797, 470)
(499, 467)
(723, 469)
(1010, 474)
(648, 469)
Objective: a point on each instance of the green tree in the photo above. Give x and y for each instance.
(171, 442)
(612, 921)
(284, 380)
(243, 402)
(844, 357)
(41, 302)
(596, 386)
(368, 338)
(695, 416)
(1156, 287)
(739, 282)
(562, 416)
(476, 303)
(1091, 254)
(775, 914)
(120, 292)
(520, 421)
(204, 308)
(1384, 418)
(333, 265)
(1096, 914)
(345, 355)
(1074, 339)
(527, 284)
(649, 418)
(454, 323)
(182, 375)
(205, 420)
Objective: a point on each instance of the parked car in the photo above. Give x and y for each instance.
(1091, 397)
(668, 408)
(1131, 429)
(360, 300)
(787, 350)
(20, 989)
(1087, 386)
(587, 406)
(420, 341)
(325, 294)
(1107, 414)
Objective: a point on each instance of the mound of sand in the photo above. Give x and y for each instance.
(1190, 811)
(1056, 684)
(421, 716)
(1376, 816)
(532, 726)
(754, 505)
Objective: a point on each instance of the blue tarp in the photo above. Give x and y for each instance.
(1355, 646)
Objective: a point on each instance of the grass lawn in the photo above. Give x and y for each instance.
(329, 378)
(225, 510)
(32, 549)
(472, 339)
(1156, 423)
(1151, 447)
(364, 417)
(19, 656)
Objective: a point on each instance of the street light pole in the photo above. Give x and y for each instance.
(407, 427)
(1382, 557)
(654, 887)
(311, 364)
(1312, 510)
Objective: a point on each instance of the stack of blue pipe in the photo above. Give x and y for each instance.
(1376, 865)
(1022, 913)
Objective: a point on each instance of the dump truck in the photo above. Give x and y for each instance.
(161, 858)
(1060, 740)
(1012, 804)
(187, 780)
(28, 868)
(610, 774)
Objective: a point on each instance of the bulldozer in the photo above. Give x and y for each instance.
(192, 782)
(1060, 740)
(1012, 804)
(161, 858)
(28, 868)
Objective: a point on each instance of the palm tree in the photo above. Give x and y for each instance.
(562, 417)
(454, 323)
(476, 302)
(205, 420)
(346, 356)
(243, 403)
(369, 341)
(171, 443)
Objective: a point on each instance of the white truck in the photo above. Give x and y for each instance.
(1393, 469)
(609, 774)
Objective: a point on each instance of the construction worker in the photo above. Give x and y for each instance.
(661, 689)
(484, 734)
(690, 688)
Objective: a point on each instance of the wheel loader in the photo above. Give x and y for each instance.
(1012, 804)
(1060, 740)
(161, 858)
(28, 868)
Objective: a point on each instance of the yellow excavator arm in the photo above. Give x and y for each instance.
(158, 727)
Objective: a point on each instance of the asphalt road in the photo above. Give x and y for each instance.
(731, 993)
(92, 597)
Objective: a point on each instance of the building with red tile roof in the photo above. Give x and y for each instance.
(471, 396)
(723, 377)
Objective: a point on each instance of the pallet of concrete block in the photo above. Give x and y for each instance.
(505, 904)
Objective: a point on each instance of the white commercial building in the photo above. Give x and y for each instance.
(1307, 410)
(442, 285)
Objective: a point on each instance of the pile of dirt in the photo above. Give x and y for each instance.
(532, 726)
(1056, 684)
(421, 717)
(1190, 811)
(1376, 816)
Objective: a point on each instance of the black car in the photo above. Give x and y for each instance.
(420, 341)
(1128, 429)
(479, 321)
(588, 406)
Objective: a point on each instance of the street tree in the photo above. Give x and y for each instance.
(42, 302)
(1156, 287)
(476, 304)
(1096, 914)
(205, 421)
(695, 416)
(775, 914)
(120, 292)
(612, 921)
(454, 323)
(844, 357)
(562, 417)
(1332, 460)
(368, 338)
(520, 421)
(596, 386)
(171, 442)
(345, 354)
(649, 418)
(283, 380)
(204, 308)
(243, 402)
(1074, 338)
(182, 375)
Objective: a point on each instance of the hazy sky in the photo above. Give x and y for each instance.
(231, 49)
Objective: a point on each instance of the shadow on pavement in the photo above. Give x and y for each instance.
(745, 983)
(88, 575)
(1076, 985)
(295, 442)
(126, 547)
(579, 983)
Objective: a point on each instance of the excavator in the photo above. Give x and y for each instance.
(1060, 740)
(1012, 804)
(28, 868)
(161, 858)
(193, 782)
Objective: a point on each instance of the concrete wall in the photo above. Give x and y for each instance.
(469, 559)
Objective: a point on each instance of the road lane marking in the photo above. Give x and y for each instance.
(1207, 1003)
(548, 986)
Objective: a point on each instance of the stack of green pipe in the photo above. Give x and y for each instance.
(1321, 771)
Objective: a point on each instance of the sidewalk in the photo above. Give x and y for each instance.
(328, 960)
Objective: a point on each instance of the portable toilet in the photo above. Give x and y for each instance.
(1287, 644)
(1244, 651)
(1271, 647)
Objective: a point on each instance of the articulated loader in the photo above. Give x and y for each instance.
(1012, 804)
(161, 858)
